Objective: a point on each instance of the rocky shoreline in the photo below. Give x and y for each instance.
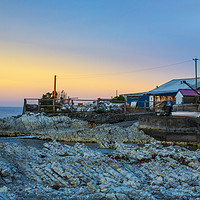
(130, 172)
(63, 128)
(59, 171)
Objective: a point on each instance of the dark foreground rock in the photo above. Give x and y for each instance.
(130, 172)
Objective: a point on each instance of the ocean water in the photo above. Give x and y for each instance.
(10, 111)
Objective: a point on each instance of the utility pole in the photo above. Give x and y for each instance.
(54, 92)
(195, 63)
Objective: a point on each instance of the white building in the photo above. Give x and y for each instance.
(185, 96)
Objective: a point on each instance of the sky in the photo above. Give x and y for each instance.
(94, 47)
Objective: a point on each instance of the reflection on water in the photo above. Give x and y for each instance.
(24, 141)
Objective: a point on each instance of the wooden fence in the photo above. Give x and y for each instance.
(57, 104)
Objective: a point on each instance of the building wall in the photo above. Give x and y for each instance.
(179, 98)
(151, 102)
(131, 99)
(164, 98)
(189, 100)
(142, 101)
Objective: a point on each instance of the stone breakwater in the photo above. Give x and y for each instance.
(63, 128)
(130, 172)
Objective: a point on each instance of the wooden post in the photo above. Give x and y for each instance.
(24, 108)
(54, 107)
(124, 106)
(72, 105)
(54, 93)
(68, 100)
(195, 61)
(98, 103)
(38, 105)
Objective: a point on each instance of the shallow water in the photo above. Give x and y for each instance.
(33, 142)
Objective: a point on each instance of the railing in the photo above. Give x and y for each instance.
(186, 107)
(54, 104)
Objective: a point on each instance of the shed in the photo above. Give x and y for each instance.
(184, 96)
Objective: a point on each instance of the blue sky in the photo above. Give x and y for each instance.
(109, 36)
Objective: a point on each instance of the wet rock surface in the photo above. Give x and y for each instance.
(130, 172)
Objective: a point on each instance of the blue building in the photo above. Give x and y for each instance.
(141, 99)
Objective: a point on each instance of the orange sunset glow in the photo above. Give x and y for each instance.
(93, 50)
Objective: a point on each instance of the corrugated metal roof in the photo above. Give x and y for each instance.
(188, 92)
(170, 88)
(174, 85)
(136, 94)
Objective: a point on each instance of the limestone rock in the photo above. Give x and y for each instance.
(60, 171)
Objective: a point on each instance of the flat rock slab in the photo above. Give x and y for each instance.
(130, 172)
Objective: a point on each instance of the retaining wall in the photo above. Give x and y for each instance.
(169, 128)
(110, 118)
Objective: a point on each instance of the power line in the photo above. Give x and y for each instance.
(125, 72)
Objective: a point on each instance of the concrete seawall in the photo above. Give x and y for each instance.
(174, 129)
(109, 118)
